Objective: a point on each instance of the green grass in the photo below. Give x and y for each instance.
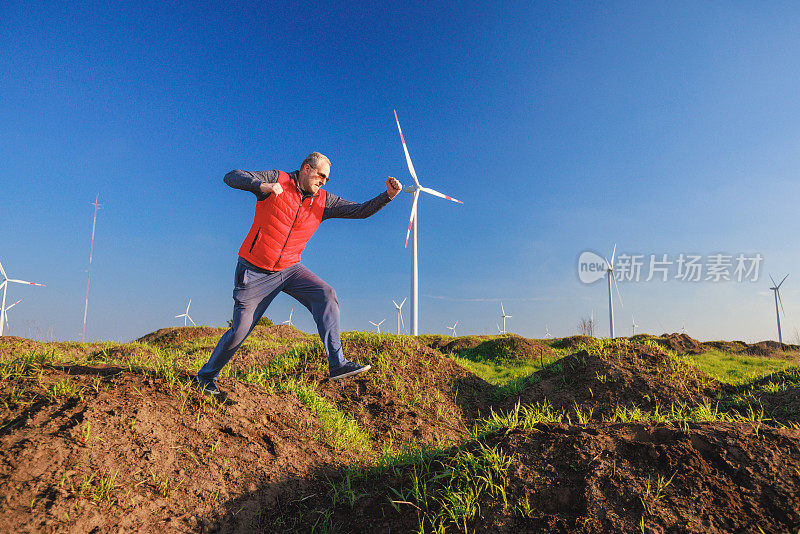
(341, 431)
(736, 369)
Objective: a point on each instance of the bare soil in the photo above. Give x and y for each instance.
(702, 478)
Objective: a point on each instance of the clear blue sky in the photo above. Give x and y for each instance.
(667, 128)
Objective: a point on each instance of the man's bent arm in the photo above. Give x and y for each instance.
(339, 208)
(251, 181)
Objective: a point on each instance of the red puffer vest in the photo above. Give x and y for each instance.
(282, 226)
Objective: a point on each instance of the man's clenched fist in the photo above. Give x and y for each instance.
(393, 187)
(267, 188)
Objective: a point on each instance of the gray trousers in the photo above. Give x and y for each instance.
(254, 291)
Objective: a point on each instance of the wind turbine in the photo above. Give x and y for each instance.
(453, 328)
(399, 314)
(186, 315)
(4, 285)
(610, 275)
(547, 331)
(378, 325)
(504, 316)
(89, 271)
(777, 289)
(8, 308)
(633, 326)
(289, 321)
(415, 189)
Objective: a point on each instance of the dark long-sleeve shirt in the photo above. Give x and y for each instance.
(335, 207)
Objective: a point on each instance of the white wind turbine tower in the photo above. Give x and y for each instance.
(415, 189)
(634, 326)
(4, 285)
(289, 321)
(547, 331)
(504, 316)
(186, 315)
(89, 271)
(378, 325)
(453, 328)
(8, 308)
(399, 314)
(610, 275)
(777, 289)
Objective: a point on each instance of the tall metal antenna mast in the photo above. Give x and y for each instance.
(89, 271)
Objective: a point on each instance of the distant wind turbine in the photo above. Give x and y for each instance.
(547, 331)
(504, 316)
(633, 326)
(453, 328)
(289, 320)
(186, 315)
(8, 308)
(399, 314)
(610, 275)
(415, 189)
(4, 285)
(378, 325)
(89, 270)
(777, 289)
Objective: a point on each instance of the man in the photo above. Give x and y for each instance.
(289, 208)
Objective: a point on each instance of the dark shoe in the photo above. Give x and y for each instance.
(349, 369)
(207, 387)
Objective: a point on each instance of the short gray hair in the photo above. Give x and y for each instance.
(314, 158)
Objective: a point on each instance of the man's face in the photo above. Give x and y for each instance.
(311, 180)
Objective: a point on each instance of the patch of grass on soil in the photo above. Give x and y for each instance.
(736, 369)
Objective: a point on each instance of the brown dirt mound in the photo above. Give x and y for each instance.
(512, 347)
(572, 342)
(705, 478)
(175, 458)
(679, 343)
(629, 375)
(463, 343)
(725, 346)
(770, 348)
(174, 336)
(282, 331)
(407, 397)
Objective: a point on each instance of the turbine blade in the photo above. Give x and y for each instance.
(3, 271)
(502, 310)
(396, 305)
(438, 194)
(404, 301)
(405, 149)
(784, 278)
(191, 320)
(402, 323)
(613, 253)
(781, 302)
(773, 281)
(413, 215)
(24, 282)
(9, 307)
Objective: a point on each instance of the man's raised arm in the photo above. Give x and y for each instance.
(339, 208)
(260, 183)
